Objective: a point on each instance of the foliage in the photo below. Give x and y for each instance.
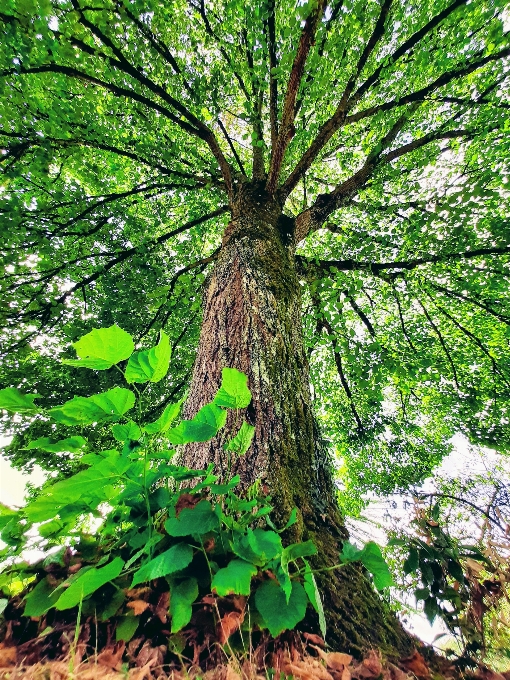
(462, 580)
(159, 519)
(382, 128)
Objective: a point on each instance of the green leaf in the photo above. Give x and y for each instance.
(12, 400)
(350, 553)
(176, 558)
(165, 420)
(234, 579)
(102, 348)
(296, 550)
(182, 596)
(128, 432)
(110, 405)
(372, 559)
(41, 599)
(151, 364)
(193, 521)
(71, 444)
(203, 427)
(272, 604)
(411, 563)
(233, 392)
(431, 609)
(241, 442)
(88, 583)
(257, 546)
(126, 628)
(311, 589)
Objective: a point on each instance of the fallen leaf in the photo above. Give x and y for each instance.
(111, 657)
(334, 660)
(346, 674)
(7, 656)
(416, 664)
(370, 667)
(228, 625)
(314, 639)
(138, 606)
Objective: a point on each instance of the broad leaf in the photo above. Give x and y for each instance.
(102, 348)
(128, 432)
(71, 444)
(151, 364)
(110, 405)
(234, 579)
(233, 392)
(41, 599)
(257, 546)
(203, 427)
(241, 442)
(126, 628)
(165, 420)
(14, 401)
(182, 596)
(296, 550)
(87, 584)
(350, 553)
(278, 614)
(174, 559)
(372, 559)
(193, 521)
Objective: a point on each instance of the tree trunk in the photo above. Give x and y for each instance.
(252, 322)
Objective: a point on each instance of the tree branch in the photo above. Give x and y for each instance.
(287, 129)
(377, 267)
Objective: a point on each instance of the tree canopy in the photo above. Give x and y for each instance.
(381, 127)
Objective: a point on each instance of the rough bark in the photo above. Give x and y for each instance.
(252, 322)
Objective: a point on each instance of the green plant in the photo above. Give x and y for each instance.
(459, 582)
(159, 519)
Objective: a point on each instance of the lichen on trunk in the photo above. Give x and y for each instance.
(252, 322)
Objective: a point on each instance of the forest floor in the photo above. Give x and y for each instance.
(310, 662)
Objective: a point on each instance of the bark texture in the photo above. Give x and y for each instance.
(252, 322)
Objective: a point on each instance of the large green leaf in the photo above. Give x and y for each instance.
(165, 420)
(102, 348)
(233, 392)
(241, 442)
(126, 628)
(257, 546)
(182, 596)
(95, 485)
(150, 364)
(203, 427)
(296, 550)
(193, 521)
(41, 599)
(278, 614)
(88, 583)
(110, 405)
(14, 401)
(234, 579)
(129, 431)
(172, 560)
(71, 444)
(374, 562)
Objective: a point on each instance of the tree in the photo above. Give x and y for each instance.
(329, 178)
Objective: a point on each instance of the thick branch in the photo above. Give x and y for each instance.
(287, 129)
(377, 267)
